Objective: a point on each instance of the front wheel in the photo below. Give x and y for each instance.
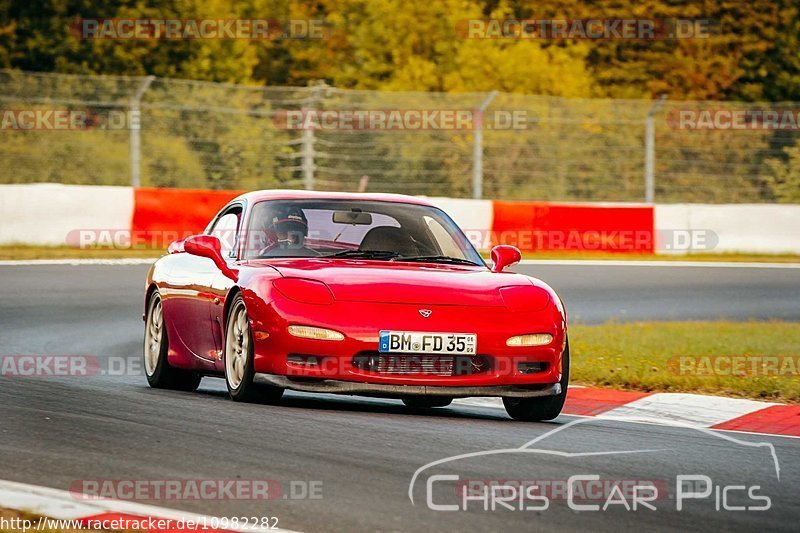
(427, 402)
(239, 370)
(546, 408)
(160, 375)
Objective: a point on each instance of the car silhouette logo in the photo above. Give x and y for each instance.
(425, 312)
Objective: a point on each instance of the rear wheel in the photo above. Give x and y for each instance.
(160, 375)
(545, 408)
(427, 402)
(239, 370)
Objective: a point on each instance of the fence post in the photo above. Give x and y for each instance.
(308, 140)
(308, 158)
(136, 142)
(650, 151)
(477, 148)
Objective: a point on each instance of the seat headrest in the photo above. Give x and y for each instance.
(391, 239)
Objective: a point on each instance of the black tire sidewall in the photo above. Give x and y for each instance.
(545, 408)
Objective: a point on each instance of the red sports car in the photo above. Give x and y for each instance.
(368, 294)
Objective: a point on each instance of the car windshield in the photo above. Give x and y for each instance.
(388, 231)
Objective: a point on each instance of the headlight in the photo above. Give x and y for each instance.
(525, 297)
(307, 291)
(533, 339)
(310, 332)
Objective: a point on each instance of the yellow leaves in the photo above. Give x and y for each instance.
(415, 46)
(592, 127)
(417, 74)
(520, 67)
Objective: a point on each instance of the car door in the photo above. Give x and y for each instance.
(227, 230)
(192, 297)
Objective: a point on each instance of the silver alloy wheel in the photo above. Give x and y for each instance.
(153, 333)
(237, 346)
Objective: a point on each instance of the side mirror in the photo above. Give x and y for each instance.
(504, 255)
(209, 246)
(175, 247)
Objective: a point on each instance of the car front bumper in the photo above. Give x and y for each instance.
(361, 324)
(335, 386)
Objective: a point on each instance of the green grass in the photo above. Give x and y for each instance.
(23, 252)
(643, 356)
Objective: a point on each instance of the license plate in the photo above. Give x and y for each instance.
(420, 342)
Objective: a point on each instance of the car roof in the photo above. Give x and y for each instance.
(289, 194)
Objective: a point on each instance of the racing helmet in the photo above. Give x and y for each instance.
(287, 225)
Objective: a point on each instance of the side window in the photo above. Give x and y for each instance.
(226, 229)
(443, 239)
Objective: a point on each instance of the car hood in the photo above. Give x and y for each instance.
(408, 283)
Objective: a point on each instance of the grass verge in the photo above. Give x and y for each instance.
(757, 360)
(24, 252)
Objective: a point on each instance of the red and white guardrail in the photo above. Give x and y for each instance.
(54, 214)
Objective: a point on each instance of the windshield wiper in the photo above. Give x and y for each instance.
(438, 259)
(365, 254)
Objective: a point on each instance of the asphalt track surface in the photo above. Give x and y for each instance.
(56, 431)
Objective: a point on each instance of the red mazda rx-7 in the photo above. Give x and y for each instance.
(369, 294)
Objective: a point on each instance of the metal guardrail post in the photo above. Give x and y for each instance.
(477, 148)
(309, 153)
(650, 151)
(308, 158)
(135, 124)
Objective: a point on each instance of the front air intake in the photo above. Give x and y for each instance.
(421, 364)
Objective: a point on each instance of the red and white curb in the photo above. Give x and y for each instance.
(715, 412)
(62, 505)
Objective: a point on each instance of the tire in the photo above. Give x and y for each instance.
(160, 375)
(238, 356)
(427, 402)
(545, 408)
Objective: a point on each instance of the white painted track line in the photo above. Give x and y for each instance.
(693, 409)
(61, 504)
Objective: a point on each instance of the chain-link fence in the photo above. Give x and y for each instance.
(178, 133)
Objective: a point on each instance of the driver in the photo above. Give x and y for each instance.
(285, 233)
